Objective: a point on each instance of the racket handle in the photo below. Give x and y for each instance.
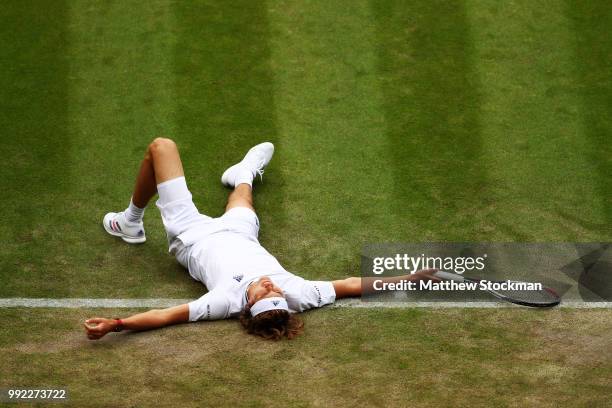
(449, 276)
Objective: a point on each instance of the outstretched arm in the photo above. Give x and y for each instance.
(97, 327)
(354, 287)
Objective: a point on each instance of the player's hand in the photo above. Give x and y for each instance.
(97, 327)
(426, 275)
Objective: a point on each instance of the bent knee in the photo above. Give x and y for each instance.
(160, 144)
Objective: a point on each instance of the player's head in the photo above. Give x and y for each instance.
(267, 313)
(261, 289)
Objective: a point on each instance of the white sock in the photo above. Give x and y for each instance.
(245, 176)
(133, 213)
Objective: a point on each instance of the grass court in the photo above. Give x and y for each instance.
(394, 121)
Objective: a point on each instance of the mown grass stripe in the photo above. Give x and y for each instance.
(591, 22)
(332, 150)
(225, 100)
(34, 80)
(432, 107)
(223, 89)
(536, 151)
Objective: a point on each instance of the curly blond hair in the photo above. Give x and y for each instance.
(272, 325)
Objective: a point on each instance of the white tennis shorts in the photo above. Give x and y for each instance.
(185, 225)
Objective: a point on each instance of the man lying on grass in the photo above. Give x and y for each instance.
(243, 279)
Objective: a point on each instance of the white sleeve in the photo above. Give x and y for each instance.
(212, 306)
(316, 294)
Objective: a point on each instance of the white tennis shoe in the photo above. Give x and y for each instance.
(254, 161)
(131, 232)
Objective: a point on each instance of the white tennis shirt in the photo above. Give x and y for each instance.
(227, 262)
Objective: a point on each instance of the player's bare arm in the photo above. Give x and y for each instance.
(98, 327)
(356, 286)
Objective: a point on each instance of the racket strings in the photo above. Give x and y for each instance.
(540, 297)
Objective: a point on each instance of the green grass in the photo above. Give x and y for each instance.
(383, 358)
(400, 122)
(593, 50)
(33, 114)
(393, 121)
(432, 103)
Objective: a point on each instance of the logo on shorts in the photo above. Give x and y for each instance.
(238, 277)
(275, 302)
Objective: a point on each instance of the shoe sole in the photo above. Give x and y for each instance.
(126, 238)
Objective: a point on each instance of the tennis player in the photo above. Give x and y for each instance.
(243, 279)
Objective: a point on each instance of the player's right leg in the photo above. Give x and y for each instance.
(161, 164)
(239, 212)
(240, 176)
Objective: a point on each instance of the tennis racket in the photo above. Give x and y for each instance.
(544, 297)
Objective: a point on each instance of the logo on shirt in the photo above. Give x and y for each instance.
(238, 277)
(275, 302)
(318, 296)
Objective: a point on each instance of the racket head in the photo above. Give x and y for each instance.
(544, 297)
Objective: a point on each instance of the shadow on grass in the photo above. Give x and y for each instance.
(432, 104)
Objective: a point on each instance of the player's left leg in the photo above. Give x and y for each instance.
(161, 163)
(239, 212)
